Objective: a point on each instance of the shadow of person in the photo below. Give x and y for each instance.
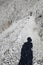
(26, 53)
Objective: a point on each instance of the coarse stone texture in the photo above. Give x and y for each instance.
(20, 19)
(11, 10)
(12, 39)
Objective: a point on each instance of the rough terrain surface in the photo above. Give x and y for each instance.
(20, 19)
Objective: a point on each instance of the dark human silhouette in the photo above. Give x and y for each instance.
(26, 53)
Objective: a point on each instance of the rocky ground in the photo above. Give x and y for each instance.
(20, 19)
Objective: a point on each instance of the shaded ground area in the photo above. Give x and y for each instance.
(26, 53)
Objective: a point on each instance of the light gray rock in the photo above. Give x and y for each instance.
(20, 19)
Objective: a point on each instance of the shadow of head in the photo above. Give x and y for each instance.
(29, 42)
(29, 39)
